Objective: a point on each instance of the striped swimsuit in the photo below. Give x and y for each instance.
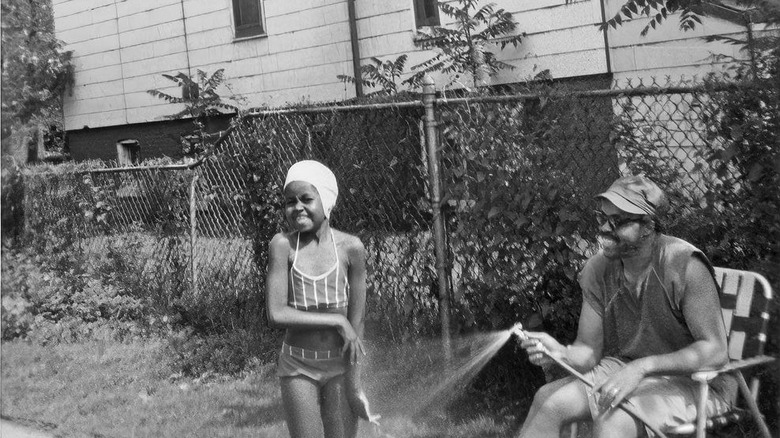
(329, 290)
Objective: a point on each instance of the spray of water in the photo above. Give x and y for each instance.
(466, 366)
(411, 380)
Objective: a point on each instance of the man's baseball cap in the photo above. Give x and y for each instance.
(636, 195)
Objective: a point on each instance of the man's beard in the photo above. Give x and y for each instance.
(613, 247)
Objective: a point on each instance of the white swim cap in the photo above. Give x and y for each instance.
(318, 175)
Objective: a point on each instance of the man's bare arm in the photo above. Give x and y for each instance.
(702, 312)
(587, 349)
(583, 354)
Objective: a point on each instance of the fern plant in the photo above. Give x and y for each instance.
(465, 48)
(657, 11)
(379, 74)
(201, 101)
(690, 11)
(199, 98)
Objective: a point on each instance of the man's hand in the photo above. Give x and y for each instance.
(619, 386)
(538, 345)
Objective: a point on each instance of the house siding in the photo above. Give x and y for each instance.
(667, 53)
(122, 48)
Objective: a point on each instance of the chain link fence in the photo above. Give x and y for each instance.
(376, 154)
(521, 172)
(518, 172)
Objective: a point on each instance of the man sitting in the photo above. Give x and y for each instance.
(650, 317)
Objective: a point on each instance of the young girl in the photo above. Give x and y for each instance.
(316, 289)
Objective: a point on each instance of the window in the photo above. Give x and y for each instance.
(128, 152)
(426, 13)
(248, 17)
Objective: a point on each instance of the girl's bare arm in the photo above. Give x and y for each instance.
(357, 310)
(357, 287)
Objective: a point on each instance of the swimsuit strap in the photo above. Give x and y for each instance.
(335, 250)
(297, 242)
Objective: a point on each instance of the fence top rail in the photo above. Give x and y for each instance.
(615, 92)
(336, 108)
(257, 113)
(637, 91)
(192, 165)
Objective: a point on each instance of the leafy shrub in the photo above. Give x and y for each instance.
(197, 354)
(516, 231)
(464, 46)
(48, 304)
(16, 317)
(12, 199)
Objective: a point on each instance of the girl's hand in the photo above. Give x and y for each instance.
(358, 402)
(353, 346)
(538, 345)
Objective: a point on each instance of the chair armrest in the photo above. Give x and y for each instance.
(705, 376)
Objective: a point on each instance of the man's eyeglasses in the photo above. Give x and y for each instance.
(615, 221)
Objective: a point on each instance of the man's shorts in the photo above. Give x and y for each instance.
(667, 401)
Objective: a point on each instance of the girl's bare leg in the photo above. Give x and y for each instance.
(555, 405)
(337, 416)
(301, 400)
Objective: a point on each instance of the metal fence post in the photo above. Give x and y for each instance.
(193, 233)
(429, 98)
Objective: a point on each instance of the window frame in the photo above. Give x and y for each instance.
(242, 31)
(128, 152)
(420, 17)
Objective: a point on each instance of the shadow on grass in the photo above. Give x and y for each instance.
(252, 416)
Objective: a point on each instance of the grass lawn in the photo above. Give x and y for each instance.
(102, 389)
(125, 390)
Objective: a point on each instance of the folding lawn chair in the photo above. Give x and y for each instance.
(745, 297)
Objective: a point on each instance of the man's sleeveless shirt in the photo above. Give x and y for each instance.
(651, 323)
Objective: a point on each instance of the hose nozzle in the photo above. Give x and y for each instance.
(517, 330)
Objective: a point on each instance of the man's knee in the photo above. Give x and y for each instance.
(546, 391)
(617, 423)
(560, 402)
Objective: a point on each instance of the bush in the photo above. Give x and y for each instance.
(198, 354)
(47, 304)
(12, 200)
(16, 317)
(515, 230)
